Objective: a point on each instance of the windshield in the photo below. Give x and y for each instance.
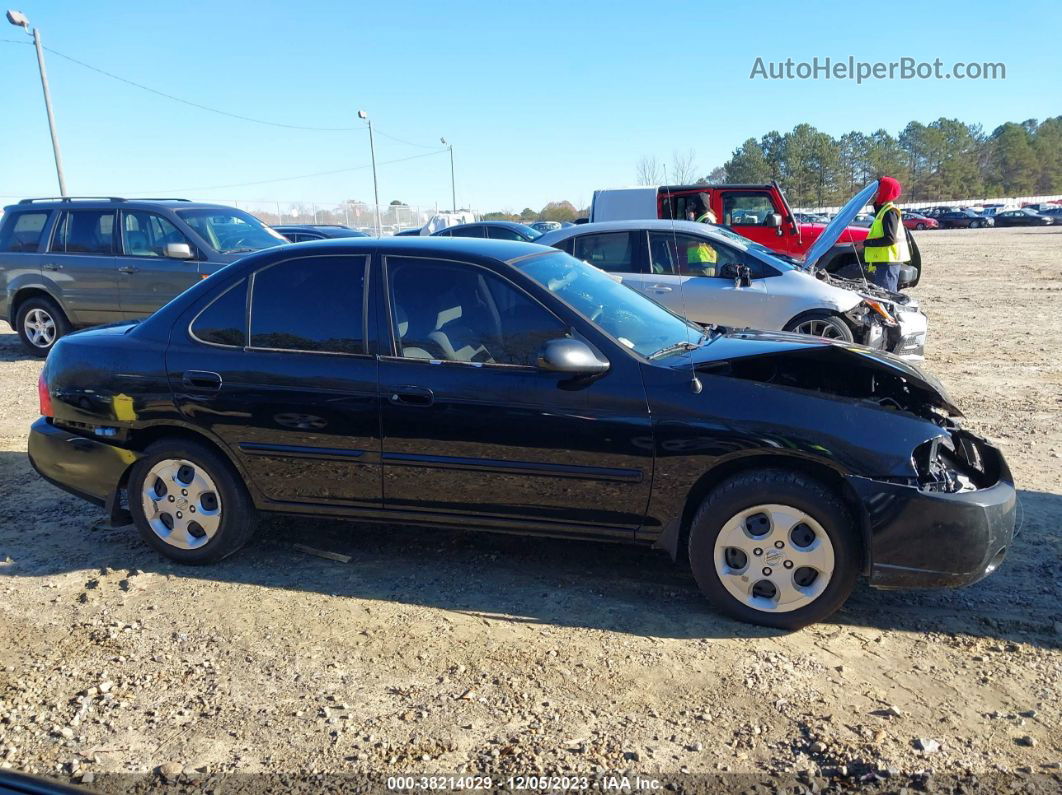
(625, 315)
(778, 260)
(232, 231)
(532, 233)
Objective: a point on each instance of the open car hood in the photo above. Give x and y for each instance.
(835, 228)
(831, 357)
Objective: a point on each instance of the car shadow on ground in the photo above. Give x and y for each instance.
(11, 349)
(518, 579)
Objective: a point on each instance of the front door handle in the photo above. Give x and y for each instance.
(660, 288)
(202, 380)
(128, 269)
(418, 396)
(51, 266)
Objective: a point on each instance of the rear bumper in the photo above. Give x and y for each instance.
(924, 539)
(86, 468)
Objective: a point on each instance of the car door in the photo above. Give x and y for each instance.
(80, 262)
(471, 428)
(279, 368)
(693, 282)
(747, 211)
(147, 278)
(619, 253)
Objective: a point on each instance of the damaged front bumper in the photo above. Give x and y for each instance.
(921, 538)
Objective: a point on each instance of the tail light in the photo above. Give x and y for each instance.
(44, 397)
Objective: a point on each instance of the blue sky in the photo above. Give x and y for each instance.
(542, 101)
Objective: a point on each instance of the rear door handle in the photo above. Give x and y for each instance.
(418, 396)
(51, 266)
(128, 269)
(203, 380)
(660, 288)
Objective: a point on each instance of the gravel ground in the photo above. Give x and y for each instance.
(448, 652)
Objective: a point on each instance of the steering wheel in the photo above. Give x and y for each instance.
(240, 242)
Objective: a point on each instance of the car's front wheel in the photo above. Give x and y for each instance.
(189, 503)
(39, 323)
(920, 225)
(821, 323)
(775, 548)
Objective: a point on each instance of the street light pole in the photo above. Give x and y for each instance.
(18, 19)
(453, 189)
(372, 151)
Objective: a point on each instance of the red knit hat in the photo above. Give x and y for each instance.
(889, 189)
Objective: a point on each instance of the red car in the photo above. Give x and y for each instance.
(919, 221)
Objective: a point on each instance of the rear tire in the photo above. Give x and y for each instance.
(811, 573)
(821, 323)
(189, 503)
(920, 226)
(40, 323)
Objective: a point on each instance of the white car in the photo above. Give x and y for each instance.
(747, 285)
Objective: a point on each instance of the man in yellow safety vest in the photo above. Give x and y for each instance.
(700, 256)
(885, 248)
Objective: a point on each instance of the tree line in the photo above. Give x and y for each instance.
(946, 159)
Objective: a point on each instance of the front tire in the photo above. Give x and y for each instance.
(774, 548)
(920, 226)
(40, 323)
(821, 323)
(189, 503)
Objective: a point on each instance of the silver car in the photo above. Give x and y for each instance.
(714, 276)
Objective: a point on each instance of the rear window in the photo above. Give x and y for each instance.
(22, 231)
(224, 322)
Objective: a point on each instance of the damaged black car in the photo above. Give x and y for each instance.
(509, 387)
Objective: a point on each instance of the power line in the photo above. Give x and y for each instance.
(299, 176)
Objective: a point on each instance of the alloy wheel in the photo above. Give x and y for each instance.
(819, 328)
(39, 326)
(774, 558)
(181, 503)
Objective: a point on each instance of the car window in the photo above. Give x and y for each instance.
(310, 304)
(504, 233)
(231, 231)
(610, 251)
(22, 231)
(466, 231)
(746, 208)
(453, 312)
(146, 234)
(224, 322)
(689, 255)
(85, 232)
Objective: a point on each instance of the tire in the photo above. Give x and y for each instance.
(40, 323)
(785, 499)
(191, 472)
(920, 226)
(820, 323)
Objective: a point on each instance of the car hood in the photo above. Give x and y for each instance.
(744, 345)
(835, 228)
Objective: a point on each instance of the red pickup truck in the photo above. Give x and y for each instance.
(758, 212)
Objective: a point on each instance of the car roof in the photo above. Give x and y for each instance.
(635, 225)
(504, 250)
(90, 203)
(506, 224)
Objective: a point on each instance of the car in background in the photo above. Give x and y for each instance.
(913, 220)
(502, 386)
(811, 218)
(963, 219)
(545, 226)
(299, 233)
(1024, 217)
(75, 262)
(713, 276)
(1055, 214)
(1041, 206)
(495, 230)
(865, 220)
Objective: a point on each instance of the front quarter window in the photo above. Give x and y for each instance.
(231, 231)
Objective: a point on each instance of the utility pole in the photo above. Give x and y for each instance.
(375, 187)
(453, 189)
(19, 20)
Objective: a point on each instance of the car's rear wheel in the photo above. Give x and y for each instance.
(821, 324)
(774, 548)
(920, 225)
(189, 503)
(40, 323)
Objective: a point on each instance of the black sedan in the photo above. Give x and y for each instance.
(1022, 217)
(495, 230)
(298, 233)
(963, 219)
(510, 387)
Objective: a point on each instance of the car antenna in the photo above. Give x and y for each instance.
(695, 382)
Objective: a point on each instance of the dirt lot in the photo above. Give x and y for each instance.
(453, 652)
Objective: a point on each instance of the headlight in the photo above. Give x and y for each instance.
(879, 309)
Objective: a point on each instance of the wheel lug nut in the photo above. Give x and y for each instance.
(191, 508)
(766, 569)
(171, 498)
(788, 564)
(779, 544)
(178, 514)
(184, 492)
(757, 551)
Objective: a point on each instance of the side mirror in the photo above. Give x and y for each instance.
(178, 251)
(773, 220)
(570, 356)
(741, 274)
